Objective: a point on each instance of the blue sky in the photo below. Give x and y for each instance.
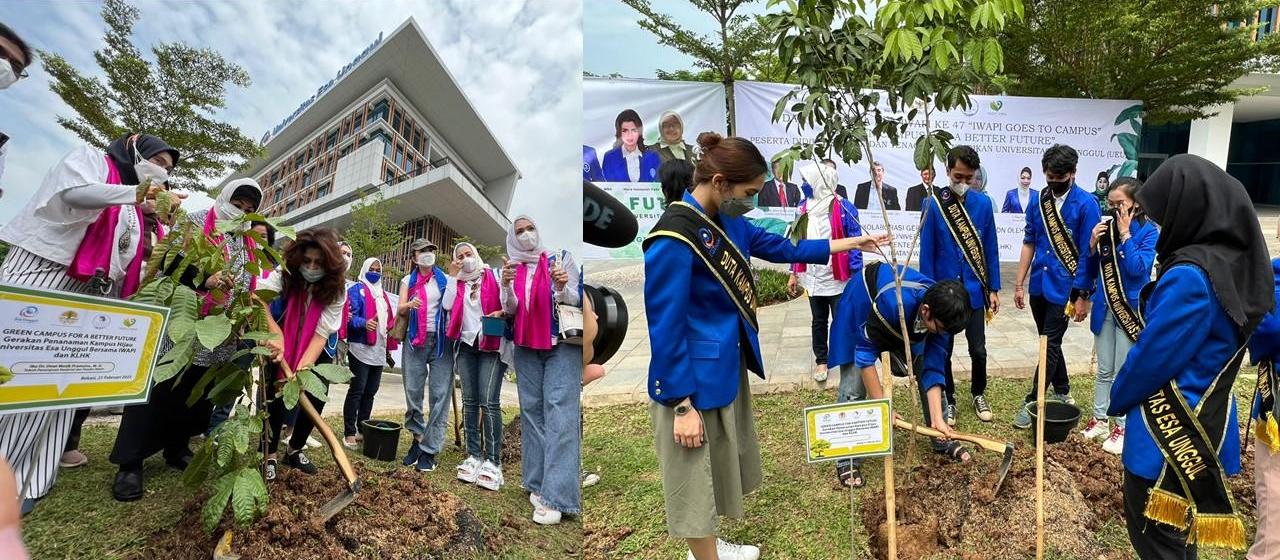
(527, 72)
(613, 42)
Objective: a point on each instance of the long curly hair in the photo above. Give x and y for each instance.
(329, 288)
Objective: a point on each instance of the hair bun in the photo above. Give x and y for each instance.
(708, 140)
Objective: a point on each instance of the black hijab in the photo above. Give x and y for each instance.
(121, 152)
(1207, 219)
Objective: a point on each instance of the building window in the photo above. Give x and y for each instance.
(306, 179)
(297, 162)
(399, 154)
(331, 141)
(345, 150)
(323, 189)
(379, 110)
(395, 120)
(1266, 22)
(390, 175)
(359, 122)
(289, 207)
(279, 195)
(408, 164)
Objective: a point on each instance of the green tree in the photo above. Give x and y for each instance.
(176, 98)
(737, 47)
(371, 233)
(1179, 57)
(4, 250)
(490, 254)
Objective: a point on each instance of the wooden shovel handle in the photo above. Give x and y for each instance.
(988, 444)
(335, 447)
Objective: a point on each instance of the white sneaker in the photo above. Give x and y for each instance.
(590, 479)
(468, 470)
(820, 373)
(543, 515)
(1095, 429)
(535, 500)
(1115, 442)
(730, 551)
(313, 443)
(489, 477)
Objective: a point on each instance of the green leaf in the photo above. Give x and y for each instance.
(211, 514)
(290, 393)
(198, 470)
(213, 330)
(1130, 113)
(229, 387)
(1129, 169)
(333, 372)
(260, 336)
(991, 57)
(923, 154)
(242, 437)
(225, 450)
(198, 391)
(1129, 143)
(173, 362)
(244, 498)
(312, 384)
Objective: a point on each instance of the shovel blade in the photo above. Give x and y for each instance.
(1004, 468)
(338, 503)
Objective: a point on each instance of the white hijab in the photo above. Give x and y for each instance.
(479, 271)
(375, 289)
(677, 147)
(517, 254)
(822, 180)
(222, 207)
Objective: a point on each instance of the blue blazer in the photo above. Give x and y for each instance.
(356, 322)
(1013, 206)
(615, 166)
(591, 165)
(1265, 344)
(941, 257)
(1188, 337)
(698, 336)
(1049, 278)
(849, 343)
(1136, 257)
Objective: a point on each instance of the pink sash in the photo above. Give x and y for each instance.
(489, 303)
(420, 338)
(533, 314)
(839, 261)
(299, 327)
(94, 253)
(370, 311)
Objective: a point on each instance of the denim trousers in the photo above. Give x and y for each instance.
(481, 374)
(550, 388)
(418, 367)
(1113, 346)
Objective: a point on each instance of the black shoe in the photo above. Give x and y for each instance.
(180, 462)
(411, 458)
(299, 461)
(128, 486)
(426, 462)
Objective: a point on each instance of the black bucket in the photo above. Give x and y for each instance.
(381, 439)
(1059, 419)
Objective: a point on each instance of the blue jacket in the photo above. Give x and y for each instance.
(1013, 206)
(849, 344)
(1136, 257)
(1188, 338)
(1049, 278)
(698, 336)
(1265, 344)
(615, 166)
(941, 257)
(356, 333)
(591, 165)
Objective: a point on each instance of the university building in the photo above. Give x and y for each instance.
(394, 122)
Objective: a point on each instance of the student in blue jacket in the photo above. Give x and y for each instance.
(630, 161)
(1214, 286)
(944, 257)
(1264, 349)
(591, 165)
(1021, 197)
(1124, 241)
(700, 300)
(860, 332)
(1060, 282)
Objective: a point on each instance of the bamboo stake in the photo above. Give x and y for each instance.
(890, 499)
(1040, 383)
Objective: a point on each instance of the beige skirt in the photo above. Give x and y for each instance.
(700, 484)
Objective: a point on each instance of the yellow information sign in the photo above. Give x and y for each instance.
(849, 429)
(65, 350)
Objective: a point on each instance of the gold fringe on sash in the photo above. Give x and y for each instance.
(1223, 531)
(1268, 432)
(1167, 508)
(1071, 308)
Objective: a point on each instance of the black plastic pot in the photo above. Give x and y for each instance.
(1059, 419)
(381, 439)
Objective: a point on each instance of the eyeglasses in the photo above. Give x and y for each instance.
(18, 68)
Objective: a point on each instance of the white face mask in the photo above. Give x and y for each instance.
(528, 240)
(148, 170)
(7, 77)
(227, 211)
(426, 259)
(959, 188)
(470, 264)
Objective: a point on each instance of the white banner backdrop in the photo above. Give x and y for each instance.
(700, 105)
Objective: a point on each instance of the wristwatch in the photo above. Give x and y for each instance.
(683, 409)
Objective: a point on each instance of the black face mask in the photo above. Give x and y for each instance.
(1059, 188)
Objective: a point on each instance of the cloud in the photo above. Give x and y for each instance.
(518, 62)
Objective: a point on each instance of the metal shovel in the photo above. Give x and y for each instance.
(991, 445)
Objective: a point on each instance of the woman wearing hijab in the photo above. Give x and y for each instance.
(478, 362)
(630, 161)
(534, 281)
(86, 230)
(428, 373)
(307, 311)
(1214, 286)
(1100, 188)
(165, 422)
(671, 144)
(368, 320)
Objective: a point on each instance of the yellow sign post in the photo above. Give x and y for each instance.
(849, 429)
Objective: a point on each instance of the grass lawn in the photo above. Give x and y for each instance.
(799, 512)
(80, 520)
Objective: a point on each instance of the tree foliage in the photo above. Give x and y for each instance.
(1179, 57)
(491, 254)
(175, 96)
(371, 233)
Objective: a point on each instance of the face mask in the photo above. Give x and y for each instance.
(470, 264)
(528, 240)
(1059, 188)
(7, 77)
(959, 188)
(736, 207)
(148, 170)
(426, 259)
(225, 210)
(312, 275)
(373, 277)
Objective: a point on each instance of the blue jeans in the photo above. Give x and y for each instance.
(550, 386)
(217, 417)
(1113, 346)
(365, 380)
(481, 374)
(417, 366)
(851, 389)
